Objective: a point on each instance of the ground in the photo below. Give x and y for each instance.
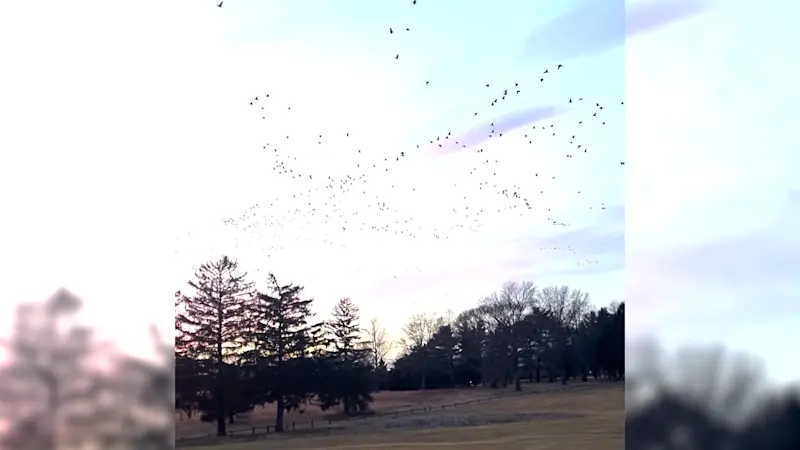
(582, 416)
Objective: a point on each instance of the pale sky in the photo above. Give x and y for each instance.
(128, 136)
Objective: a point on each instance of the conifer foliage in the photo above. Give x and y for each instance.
(281, 337)
(210, 327)
(348, 381)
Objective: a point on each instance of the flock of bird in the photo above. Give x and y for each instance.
(346, 201)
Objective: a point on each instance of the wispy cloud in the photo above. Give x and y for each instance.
(603, 242)
(753, 272)
(595, 26)
(518, 256)
(493, 128)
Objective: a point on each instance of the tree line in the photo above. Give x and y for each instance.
(238, 347)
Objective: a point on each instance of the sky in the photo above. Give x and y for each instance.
(129, 136)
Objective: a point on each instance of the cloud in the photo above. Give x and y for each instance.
(595, 26)
(734, 277)
(643, 17)
(608, 234)
(603, 241)
(481, 133)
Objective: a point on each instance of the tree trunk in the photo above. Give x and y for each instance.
(538, 370)
(452, 372)
(220, 412)
(279, 410)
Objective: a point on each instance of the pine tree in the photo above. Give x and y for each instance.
(281, 337)
(210, 329)
(350, 357)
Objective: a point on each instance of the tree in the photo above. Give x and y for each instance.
(471, 332)
(507, 311)
(378, 343)
(47, 385)
(280, 336)
(419, 330)
(210, 328)
(53, 396)
(567, 307)
(143, 390)
(350, 382)
(518, 330)
(444, 348)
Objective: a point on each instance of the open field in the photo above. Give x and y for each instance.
(581, 417)
(384, 402)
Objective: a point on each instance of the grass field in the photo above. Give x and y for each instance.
(587, 416)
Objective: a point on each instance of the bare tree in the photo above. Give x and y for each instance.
(419, 330)
(449, 317)
(567, 306)
(506, 312)
(377, 341)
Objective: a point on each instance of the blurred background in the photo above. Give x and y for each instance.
(712, 251)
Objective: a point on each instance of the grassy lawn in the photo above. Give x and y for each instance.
(589, 417)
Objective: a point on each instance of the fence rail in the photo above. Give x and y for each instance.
(262, 430)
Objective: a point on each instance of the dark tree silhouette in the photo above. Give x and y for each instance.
(349, 374)
(517, 332)
(211, 331)
(281, 337)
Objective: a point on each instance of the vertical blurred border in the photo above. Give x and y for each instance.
(711, 253)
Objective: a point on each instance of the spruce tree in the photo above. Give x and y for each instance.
(210, 327)
(281, 339)
(351, 382)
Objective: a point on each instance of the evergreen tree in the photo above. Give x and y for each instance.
(281, 339)
(348, 380)
(210, 330)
